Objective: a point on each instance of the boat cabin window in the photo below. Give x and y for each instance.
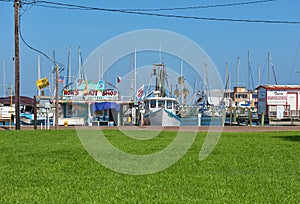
(153, 104)
(161, 103)
(169, 104)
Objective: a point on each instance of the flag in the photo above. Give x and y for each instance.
(140, 92)
(118, 79)
(61, 79)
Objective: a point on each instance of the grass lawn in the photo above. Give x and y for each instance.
(53, 167)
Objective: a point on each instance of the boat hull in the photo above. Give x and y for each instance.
(162, 117)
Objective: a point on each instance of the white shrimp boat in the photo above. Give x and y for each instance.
(159, 109)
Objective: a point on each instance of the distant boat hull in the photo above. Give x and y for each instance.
(162, 117)
(208, 113)
(28, 119)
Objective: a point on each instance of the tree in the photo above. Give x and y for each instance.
(181, 80)
(177, 92)
(185, 93)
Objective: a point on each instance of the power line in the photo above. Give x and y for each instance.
(61, 66)
(201, 6)
(160, 9)
(57, 5)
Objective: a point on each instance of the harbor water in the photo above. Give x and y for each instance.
(205, 121)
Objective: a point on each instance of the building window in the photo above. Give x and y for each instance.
(238, 95)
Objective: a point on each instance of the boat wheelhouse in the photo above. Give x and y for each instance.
(161, 111)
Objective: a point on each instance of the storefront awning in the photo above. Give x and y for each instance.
(106, 105)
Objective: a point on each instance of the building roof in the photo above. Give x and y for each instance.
(279, 87)
(24, 100)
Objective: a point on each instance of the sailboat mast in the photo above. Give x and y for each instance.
(135, 72)
(69, 67)
(4, 80)
(226, 82)
(53, 73)
(163, 81)
(181, 75)
(207, 94)
(258, 74)
(79, 64)
(238, 72)
(131, 85)
(81, 74)
(102, 67)
(248, 71)
(99, 69)
(268, 67)
(39, 73)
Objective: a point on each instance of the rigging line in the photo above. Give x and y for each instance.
(79, 7)
(293, 69)
(274, 73)
(61, 66)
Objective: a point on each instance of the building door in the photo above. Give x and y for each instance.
(293, 103)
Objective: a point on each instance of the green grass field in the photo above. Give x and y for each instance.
(53, 167)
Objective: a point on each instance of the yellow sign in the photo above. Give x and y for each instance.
(42, 83)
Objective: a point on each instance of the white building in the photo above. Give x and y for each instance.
(279, 101)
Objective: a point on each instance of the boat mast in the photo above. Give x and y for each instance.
(4, 80)
(81, 75)
(79, 64)
(159, 71)
(53, 73)
(135, 73)
(69, 67)
(238, 72)
(227, 78)
(131, 85)
(273, 69)
(99, 69)
(181, 75)
(249, 71)
(163, 92)
(268, 67)
(258, 74)
(39, 73)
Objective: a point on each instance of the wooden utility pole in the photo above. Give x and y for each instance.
(35, 113)
(17, 65)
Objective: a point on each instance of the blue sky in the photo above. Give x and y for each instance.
(47, 29)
